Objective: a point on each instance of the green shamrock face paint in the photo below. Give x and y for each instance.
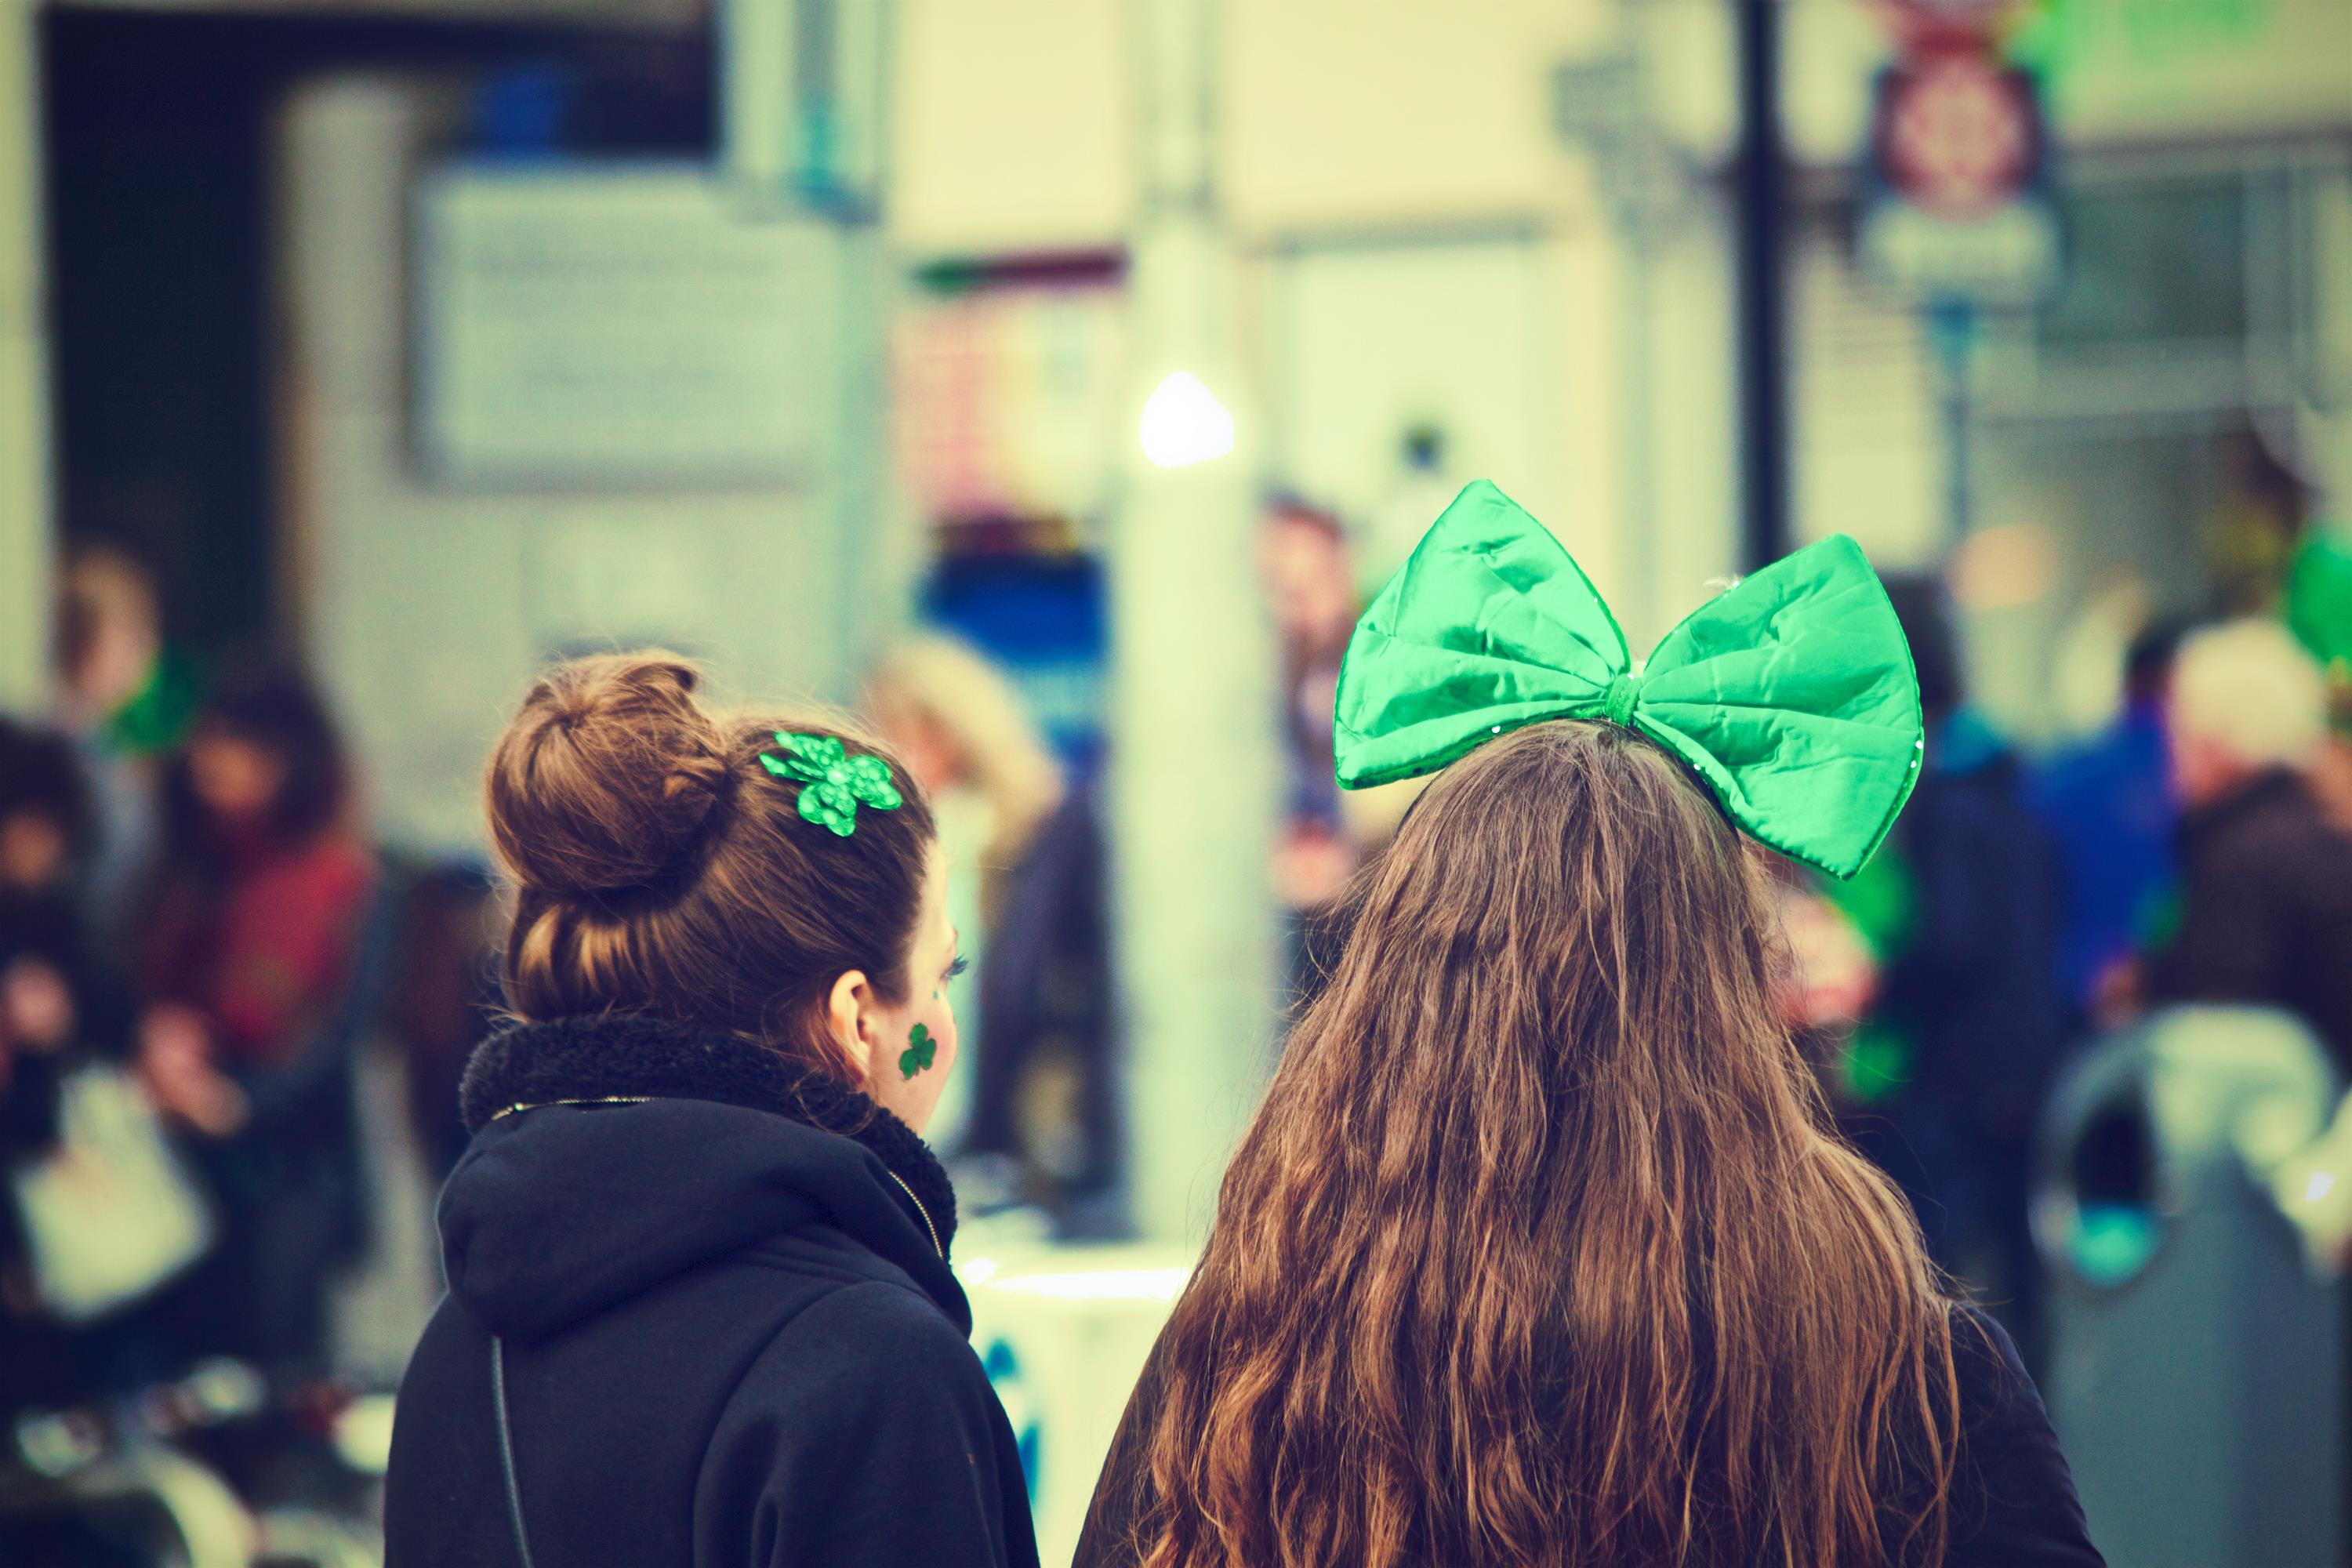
(921, 1049)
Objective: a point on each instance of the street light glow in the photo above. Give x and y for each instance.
(1184, 423)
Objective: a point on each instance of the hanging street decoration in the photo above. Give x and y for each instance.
(1957, 199)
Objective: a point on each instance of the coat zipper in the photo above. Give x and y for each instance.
(918, 1209)
(541, 1104)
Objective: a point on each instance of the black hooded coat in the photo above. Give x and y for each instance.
(719, 1288)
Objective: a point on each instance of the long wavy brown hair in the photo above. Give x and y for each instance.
(1540, 1249)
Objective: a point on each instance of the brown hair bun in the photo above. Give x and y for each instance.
(662, 870)
(609, 777)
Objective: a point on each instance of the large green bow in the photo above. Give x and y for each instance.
(1791, 694)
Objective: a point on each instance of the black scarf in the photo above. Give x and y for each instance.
(617, 1055)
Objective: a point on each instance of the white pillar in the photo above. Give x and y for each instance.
(25, 530)
(1194, 776)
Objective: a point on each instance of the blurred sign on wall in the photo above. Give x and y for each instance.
(1958, 201)
(623, 326)
(430, 605)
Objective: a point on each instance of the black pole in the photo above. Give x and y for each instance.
(1761, 198)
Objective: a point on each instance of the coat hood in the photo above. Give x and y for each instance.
(612, 1154)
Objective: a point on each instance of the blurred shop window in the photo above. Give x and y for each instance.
(2154, 263)
(2196, 287)
(2159, 418)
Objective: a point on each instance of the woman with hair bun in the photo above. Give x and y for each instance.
(700, 1307)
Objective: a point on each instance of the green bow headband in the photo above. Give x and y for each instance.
(833, 784)
(1790, 695)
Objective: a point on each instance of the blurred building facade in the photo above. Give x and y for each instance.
(1429, 232)
(1442, 242)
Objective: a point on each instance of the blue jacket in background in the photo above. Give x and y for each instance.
(2110, 814)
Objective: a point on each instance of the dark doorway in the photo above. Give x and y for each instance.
(156, 130)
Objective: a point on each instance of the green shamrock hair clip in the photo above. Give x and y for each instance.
(833, 784)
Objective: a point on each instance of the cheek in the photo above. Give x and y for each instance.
(940, 1013)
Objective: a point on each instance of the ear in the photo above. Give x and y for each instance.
(846, 1021)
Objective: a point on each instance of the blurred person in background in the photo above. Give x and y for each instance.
(1946, 1070)
(2266, 914)
(1306, 563)
(443, 988)
(2108, 806)
(2255, 534)
(958, 719)
(700, 1307)
(52, 990)
(99, 1221)
(251, 951)
(56, 1009)
(1027, 885)
(128, 696)
(58, 1015)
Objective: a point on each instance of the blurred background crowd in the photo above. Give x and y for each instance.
(1050, 383)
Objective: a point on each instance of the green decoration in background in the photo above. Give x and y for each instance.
(1882, 900)
(921, 1049)
(2157, 922)
(833, 784)
(2319, 610)
(1875, 1064)
(157, 717)
(1790, 695)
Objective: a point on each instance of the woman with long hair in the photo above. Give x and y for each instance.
(1540, 1249)
(701, 1308)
